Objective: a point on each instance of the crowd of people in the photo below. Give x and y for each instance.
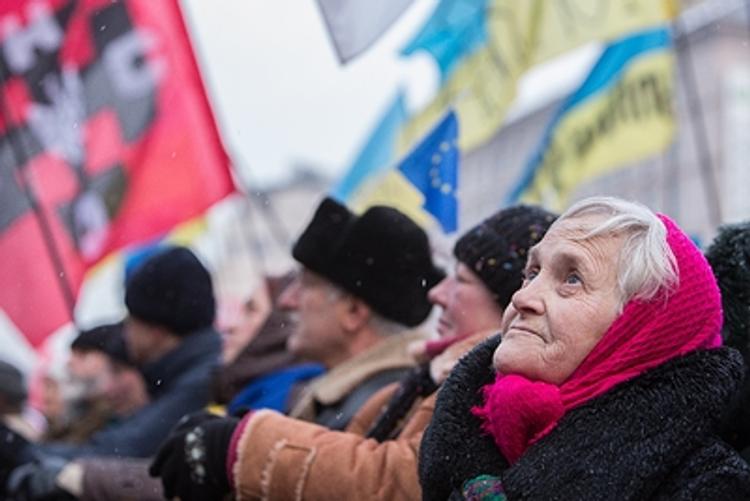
(598, 354)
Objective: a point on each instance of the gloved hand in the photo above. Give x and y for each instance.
(37, 481)
(454, 448)
(192, 461)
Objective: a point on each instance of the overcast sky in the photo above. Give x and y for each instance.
(282, 98)
(278, 91)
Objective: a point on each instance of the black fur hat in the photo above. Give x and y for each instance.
(496, 248)
(382, 257)
(729, 256)
(172, 289)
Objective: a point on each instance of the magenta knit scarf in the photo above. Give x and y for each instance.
(517, 412)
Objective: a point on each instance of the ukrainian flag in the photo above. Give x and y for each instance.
(621, 114)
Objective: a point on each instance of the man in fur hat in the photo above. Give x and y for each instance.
(270, 456)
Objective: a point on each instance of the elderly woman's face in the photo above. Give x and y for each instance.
(567, 302)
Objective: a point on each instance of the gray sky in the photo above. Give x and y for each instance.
(278, 90)
(281, 97)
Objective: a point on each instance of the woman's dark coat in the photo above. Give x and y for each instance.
(653, 437)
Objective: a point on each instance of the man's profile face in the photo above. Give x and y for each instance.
(316, 308)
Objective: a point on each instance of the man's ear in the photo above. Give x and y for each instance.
(356, 313)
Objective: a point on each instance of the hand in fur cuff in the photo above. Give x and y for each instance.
(192, 461)
(454, 448)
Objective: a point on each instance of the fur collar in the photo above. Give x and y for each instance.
(632, 438)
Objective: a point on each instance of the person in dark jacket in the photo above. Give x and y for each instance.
(609, 381)
(729, 255)
(364, 282)
(169, 333)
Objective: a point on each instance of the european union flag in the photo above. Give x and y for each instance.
(432, 167)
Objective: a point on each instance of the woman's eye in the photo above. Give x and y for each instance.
(573, 279)
(529, 275)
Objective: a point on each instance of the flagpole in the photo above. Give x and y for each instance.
(44, 225)
(697, 120)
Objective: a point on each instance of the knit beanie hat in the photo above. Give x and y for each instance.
(172, 289)
(496, 248)
(382, 257)
(729, 257)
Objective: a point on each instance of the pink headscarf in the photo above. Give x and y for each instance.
(518, 412)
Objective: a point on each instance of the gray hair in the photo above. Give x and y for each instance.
(646, 264)
(385, 326)
(382, 326)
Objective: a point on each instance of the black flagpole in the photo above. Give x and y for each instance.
(41, 218)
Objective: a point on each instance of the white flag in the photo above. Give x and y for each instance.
(355, 24)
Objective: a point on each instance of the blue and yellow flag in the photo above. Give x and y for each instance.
(483, 47)
(620, 114)
(378, 154)
(424, 185)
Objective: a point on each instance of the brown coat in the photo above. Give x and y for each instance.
(280, 458)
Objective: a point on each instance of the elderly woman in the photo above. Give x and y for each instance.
(609, 382)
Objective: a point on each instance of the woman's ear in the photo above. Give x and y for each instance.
(356, 314)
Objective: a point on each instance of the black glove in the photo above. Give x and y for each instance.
(454, 448)
(37, 482)
(192, 461)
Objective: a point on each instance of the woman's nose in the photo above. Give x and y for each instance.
(529, 298)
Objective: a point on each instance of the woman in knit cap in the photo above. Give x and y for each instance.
(609, 382)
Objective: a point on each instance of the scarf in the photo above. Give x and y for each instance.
(518, 412)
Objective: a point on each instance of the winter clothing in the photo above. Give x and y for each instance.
(651, 437)
(333, 398)
(729, 255)
(283, 458)
(172, 289)
(192, 460)
(495, 250)
(274, 390)
(637, 390)
(178, 384)
(277, 457)
(382, 257)
(646, 334)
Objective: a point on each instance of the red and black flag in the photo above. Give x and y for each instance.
(106, 139)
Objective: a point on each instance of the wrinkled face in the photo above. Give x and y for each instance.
(467, 305)
(251, 319)
(316, 310)
(568, 300)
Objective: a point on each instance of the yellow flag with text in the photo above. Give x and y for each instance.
(620, 114)
(484, 46)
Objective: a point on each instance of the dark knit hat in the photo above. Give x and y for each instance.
(496, 248)
(729, 256)
(172, 289)
(382, 257)
(12, 385)
(108, 339)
